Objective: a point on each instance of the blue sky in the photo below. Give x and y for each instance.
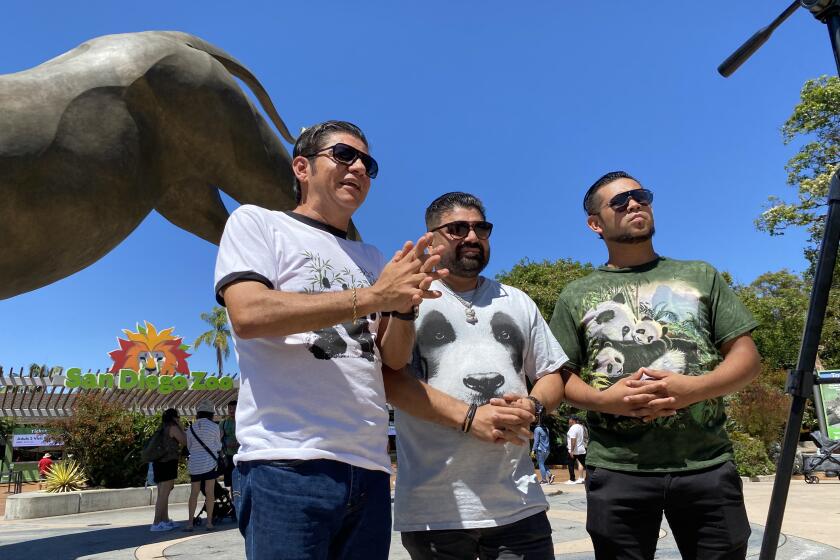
(523, 104)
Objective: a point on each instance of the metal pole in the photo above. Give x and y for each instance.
(801, 380)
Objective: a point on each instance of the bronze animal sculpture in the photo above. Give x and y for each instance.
(95, 139)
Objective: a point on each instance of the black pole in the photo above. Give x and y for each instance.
(801, 380)
(736, 59)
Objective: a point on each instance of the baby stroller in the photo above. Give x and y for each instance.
(222, 505)
(827, 460)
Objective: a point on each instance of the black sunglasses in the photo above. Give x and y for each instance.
(620, 201)
(347, 155)
(461, 229)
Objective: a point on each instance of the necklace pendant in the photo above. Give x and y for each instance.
(471, 318)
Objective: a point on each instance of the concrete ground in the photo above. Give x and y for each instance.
(809, 530)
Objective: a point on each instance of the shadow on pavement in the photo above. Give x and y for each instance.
(70, 546)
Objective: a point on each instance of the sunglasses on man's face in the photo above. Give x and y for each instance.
(347, 155)
(620, 201)
(461, 229)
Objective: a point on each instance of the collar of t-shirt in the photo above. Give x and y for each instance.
(312, 222)
(638, 268)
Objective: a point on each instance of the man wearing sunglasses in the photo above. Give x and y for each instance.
(674, 322)
(314, 317)
(461, 497)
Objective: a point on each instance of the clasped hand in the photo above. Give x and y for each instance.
(405, 280)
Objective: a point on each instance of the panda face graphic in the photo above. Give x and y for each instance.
(473, 363)
(610, 362)
(610, 320)
(647, 330)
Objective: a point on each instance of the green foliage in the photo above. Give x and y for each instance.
(750, 455)
(816, 119)
(107, 440)
(543, 281)
(218, 336)
(183, 474)
(65, 476)
(778, 300)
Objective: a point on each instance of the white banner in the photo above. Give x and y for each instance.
(39, 439)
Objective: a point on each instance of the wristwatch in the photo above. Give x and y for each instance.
(410, 316)
(538, 406)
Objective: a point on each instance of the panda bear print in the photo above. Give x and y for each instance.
(471, 362)
(622, 343)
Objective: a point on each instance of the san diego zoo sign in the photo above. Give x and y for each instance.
(148, 359)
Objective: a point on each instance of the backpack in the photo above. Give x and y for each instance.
(159, 448)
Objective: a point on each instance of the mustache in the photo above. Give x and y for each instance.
(475, 246)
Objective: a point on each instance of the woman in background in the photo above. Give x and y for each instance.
(165, 469)
(204, 444)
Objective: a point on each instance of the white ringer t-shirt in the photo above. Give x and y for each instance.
(317, 394)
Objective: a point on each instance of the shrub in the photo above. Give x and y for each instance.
(107, 440)
(761, 411)
(65, 476)
(750, 455)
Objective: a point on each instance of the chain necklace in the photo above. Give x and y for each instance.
(469, 312)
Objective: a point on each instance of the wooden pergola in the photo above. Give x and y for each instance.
(32, 398)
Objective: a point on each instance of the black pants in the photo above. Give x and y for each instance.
(581, 458)
(705, 510)
(229, 472)
(526, 539)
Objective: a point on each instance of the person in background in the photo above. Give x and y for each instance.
(165, 469)
(576, 445)
(227, 430)
(204, 444)
(44, 466)
(541, 449)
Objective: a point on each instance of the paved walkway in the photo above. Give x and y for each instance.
(810, 531)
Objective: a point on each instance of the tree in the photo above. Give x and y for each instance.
(778, 301)
(543, 281)
(817, 118)
(218, 336)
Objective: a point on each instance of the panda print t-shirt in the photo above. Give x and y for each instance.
(668, 315)
(450, 480)
(316, 394)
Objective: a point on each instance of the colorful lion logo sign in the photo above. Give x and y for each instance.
(150, 352)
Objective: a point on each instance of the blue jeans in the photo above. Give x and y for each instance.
(312, 510)
(544, 472)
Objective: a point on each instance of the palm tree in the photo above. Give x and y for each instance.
(218, 336)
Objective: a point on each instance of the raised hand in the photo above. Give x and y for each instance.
(405, 280)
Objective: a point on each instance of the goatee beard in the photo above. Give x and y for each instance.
(630, 239)
(466, 267)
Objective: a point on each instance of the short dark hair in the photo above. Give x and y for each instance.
(233, 402)
(589, 203)
(450, 201)
(204, 414)
(313, 139)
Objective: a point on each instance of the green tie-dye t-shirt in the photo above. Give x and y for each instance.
(669, 315)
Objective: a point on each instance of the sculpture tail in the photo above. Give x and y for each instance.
(237, 69)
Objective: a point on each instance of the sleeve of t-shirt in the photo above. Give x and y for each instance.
(245, 252)
(544, 354)
(730, 317)
(564, 326)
